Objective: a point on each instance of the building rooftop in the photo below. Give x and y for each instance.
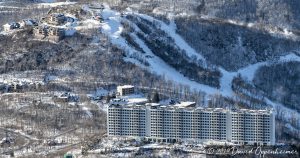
(126, 86)
(251, 111)
(186, 106)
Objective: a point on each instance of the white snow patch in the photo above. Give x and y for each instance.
(87, 111)
(88, 24)
(171, 31)
(54, 4)
(248, 72)
(286, 113)
(226, 82)
(48, 1)
(134, 99)
(160, 67)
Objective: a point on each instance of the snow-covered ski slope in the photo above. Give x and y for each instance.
(113, 28)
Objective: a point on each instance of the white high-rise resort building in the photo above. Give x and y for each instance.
(185, 122)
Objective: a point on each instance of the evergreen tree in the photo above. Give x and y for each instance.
(155, 98)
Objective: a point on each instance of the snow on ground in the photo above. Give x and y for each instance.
(101, 92)
(88, 24)
(226, 82)
(286, 113)
(289, 57)
(171, 31)
(48, 100)
(87, 111)
(227, 77)
(134, 99)
(48, 1)
(102, 106)
(137, 100)
(291, 128)
(54, 4)
(184, 104)
(248, 72)
(113, 28)
(158, 66)
(274, 31)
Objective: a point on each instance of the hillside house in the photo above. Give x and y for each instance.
(56, 19)
(56, 34)
(40, 32)
(51, 33)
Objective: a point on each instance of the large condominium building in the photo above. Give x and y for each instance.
(185, 122)
(252, 126)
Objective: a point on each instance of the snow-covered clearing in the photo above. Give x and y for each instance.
(171, 31)
(271, 30)
(274, 31)
(52, 3)
(88, 24)
(158, 66)
(48, 1)
(113, 29)
(284, 112)
(87, 111)
(249, 73)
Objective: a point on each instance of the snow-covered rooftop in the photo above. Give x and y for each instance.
(249, 111)
(184, 104)
(126, 86)
(187, 106)
(137, 100)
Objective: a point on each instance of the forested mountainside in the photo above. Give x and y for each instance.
(281, 81)
(281, 13)
(245, 52)
(68, 56)
(232, 46)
